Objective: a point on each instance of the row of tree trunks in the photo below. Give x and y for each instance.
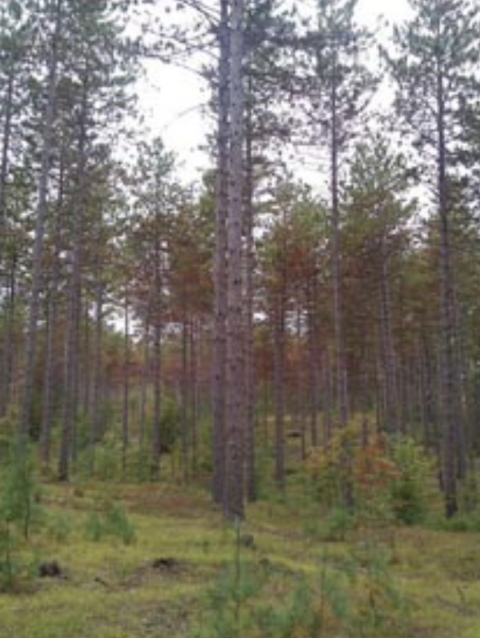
(40, 220)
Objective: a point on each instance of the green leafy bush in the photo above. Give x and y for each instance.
(412, 489)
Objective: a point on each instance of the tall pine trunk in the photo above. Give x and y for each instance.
(233, 495)
(5, 155)
(278, 317)
(250, 487)
(448, 398)
(341, 392)
(126, 385)
(220, 263)
(389, 370)
(68, 438)
(40, 220)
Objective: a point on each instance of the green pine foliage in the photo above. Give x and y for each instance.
(110, 522)
(412, 490)
(20, 511)
(391, 478)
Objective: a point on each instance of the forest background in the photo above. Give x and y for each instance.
(239, 331)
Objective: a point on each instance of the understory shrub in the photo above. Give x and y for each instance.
(112, 521)
(19, 512)
(354, 597)
(412, 489)
(331, 467)
(229, 600)
(379, 478)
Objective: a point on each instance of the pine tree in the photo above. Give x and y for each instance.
(433, 63)
(233, 500)
(374, 240)
(342, 86)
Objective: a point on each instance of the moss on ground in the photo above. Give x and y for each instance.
(155, 587)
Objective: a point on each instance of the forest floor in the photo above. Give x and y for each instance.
(188, 574)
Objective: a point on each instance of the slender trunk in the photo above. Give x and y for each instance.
(463, 403)
(327, 392)
(8, 336)
(70, 393)
(424, 394)
(303, 390)
(340, 364)
(144, 386)
(95, 417)
(432, 403)
(184, 398)
(314, 357)
(220, 264)
(126, 386)
(85, 372)
(233, 496)
(279, 387)
(4, 166)
(40, 220)
(68, 440)
(250, 487)
(157, 403)
(157, 353)
(448, 398)
(47, 398)
(4, 266)
(388, 370)
(194, 399)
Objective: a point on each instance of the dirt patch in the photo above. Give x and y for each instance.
(51, 569)
(167, 564)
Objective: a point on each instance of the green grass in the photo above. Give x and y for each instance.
(113, 590)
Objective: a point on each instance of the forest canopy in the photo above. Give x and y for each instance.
(203, 327)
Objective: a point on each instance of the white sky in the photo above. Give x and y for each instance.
(171, 98)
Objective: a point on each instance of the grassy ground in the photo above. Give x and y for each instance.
(427, 586)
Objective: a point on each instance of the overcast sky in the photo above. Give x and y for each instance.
(171, 98)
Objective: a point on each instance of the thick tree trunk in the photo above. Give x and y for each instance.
(220, 264)
(233, 495)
